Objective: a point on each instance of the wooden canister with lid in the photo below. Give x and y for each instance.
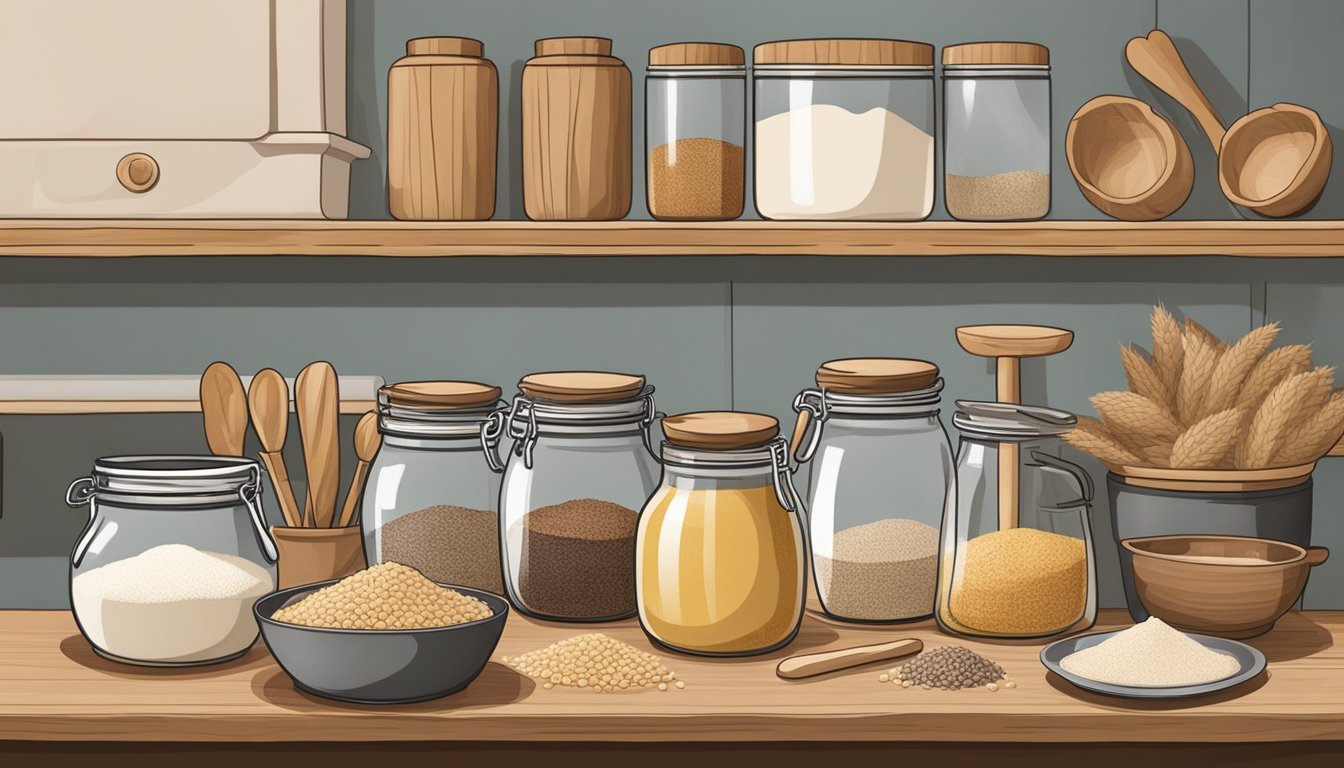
(576, 131)
(442, 131)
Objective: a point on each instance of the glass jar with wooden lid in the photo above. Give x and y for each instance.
(997, 131)
(844, 129)
(432, 499)
(880, 466)
(719, 563)
(580, 467)
(695, 124)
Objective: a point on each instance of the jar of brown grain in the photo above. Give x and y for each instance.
(695, 129)
(442, 126)
(576, 131)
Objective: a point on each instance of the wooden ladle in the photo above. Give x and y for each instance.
(1274, 161)
(1129, 161)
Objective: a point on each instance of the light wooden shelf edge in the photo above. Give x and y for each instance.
(86, 407)
(131, 238)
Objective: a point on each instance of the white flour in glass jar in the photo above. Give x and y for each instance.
(825, 162)
(171, 604)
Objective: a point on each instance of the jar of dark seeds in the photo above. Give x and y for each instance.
(579, 468)
(431, 499)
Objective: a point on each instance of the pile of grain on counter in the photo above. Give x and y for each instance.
(449, 544)
(1021, 581)
(1150, 654)
(578, 559)
(595, 661)
(171, 603)
(881, 571)
(385, 596)
(951, 668)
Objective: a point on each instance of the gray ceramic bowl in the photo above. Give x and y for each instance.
(394, 666)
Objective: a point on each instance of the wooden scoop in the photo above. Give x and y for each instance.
(1274, 161)
(268, 402)
(317, 401)
(812, 664)
(224, 410)
(1008, 344)
(1129, 161)
(367, 443)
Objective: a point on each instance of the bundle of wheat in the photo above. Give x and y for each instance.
(1199, 403)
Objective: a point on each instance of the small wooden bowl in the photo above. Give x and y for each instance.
(1129, 161)
(1276, 160)
(1190, 583)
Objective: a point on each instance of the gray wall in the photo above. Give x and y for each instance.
(709, 333)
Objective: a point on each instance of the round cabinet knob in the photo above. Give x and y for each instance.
(138, 172)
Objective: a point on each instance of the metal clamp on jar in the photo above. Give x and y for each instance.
(720, 555)
(175, 553)
(581, 465)
(881, 468)
(433, 489)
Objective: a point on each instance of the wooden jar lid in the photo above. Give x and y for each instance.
(720, 430)
(445, 46)
(854, 52)
(441, 394)
(876, 375)
(697, 55)
(581, 386)
(1022, 54)
(573, 46)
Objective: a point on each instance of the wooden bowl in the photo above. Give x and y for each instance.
(1227, 586)
(1129, 161)
(1276, 160)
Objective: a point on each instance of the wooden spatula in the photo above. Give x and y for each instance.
(811, 664)
(367, 443)
(224, 410)
(317, 401)
(268, 402)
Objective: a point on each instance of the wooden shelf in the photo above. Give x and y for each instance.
(123, 238)
(53, 688)
(89, 394)
(83, 407)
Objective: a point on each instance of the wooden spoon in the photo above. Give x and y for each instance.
(317, 401)
(268, 401)
(812, 664)
(1129, 161)
(1274, 161)
(224, 410)
(367, 443)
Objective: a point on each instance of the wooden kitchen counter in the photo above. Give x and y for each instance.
(54, 689)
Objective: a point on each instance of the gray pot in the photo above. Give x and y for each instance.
(1282, 514)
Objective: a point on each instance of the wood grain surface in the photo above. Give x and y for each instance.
(53, 687)
(125, 238)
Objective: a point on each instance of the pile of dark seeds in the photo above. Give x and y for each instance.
(950, 668)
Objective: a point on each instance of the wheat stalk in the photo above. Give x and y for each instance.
(1158, 454)
(1272, 369)
(1193, 328)
(1210, 442)
(1168, 351)
(1291, 401)
(1316, 435)
(1134, 417)
(1234, 366)
(1145, 380)
(1200, 359)
(1092, 437)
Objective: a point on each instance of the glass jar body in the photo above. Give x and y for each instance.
(695, 126)
(431, 504)
(719, 564)
(175, 607)
(568, 522)
(878, 485)
(836, 144)
(997, 143)
(1037, 580)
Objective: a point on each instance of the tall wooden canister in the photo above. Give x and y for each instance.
(576, 131)
(442, 131)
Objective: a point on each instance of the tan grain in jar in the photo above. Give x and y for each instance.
(442, 131)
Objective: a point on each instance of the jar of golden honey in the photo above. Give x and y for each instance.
(719, 568)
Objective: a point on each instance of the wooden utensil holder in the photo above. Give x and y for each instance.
(310, 555)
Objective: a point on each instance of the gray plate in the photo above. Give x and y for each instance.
(1251, 661)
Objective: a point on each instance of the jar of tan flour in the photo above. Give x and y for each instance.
(844, 129)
